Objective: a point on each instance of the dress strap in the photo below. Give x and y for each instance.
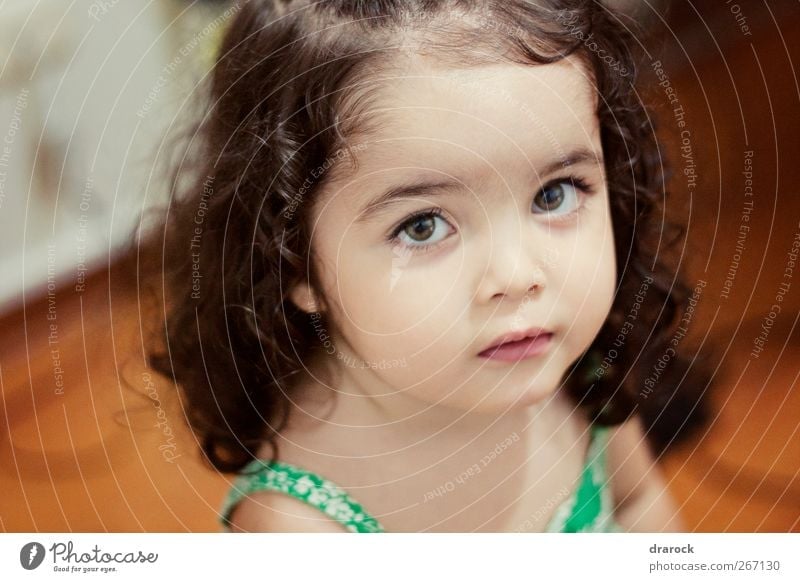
(313, 489)
(590, 508)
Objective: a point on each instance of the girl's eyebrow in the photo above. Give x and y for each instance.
(426, 188)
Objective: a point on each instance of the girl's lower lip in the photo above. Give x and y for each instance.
(519, 350)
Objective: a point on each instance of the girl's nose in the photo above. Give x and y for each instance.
(513, 267)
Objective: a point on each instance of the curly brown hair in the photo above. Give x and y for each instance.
(283, 98)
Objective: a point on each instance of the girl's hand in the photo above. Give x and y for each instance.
(643, 503)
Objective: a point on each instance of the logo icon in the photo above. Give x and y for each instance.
(31, 555)
(402, 257)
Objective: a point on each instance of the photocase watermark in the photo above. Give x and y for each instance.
(493, 25)
(569, 20)
(184, 51)
(322, 333)
(663, 361)
(480, 21)
(741, 19)
(540, 513)
(783, 288)
(402, 255)
(168, 447)
(8, 140)
(197, 235)
(340, 155)
(627, 326)
(347, 360)
(52, 322)
(100, 8)
(744, 228)
(82, 235)
(66, 559)
(31, 555)
(472, 470)
(382, 364)
(679, 115)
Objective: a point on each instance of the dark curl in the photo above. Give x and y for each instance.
(283, 99)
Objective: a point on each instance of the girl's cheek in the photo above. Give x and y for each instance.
(597, 297)
(372, 304)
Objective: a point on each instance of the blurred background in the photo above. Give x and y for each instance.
(91, 94)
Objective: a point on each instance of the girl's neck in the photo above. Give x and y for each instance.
(382, 422)
(426, 468)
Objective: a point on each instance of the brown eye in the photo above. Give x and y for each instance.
(555, 195)
(422, 231)
(420, 228)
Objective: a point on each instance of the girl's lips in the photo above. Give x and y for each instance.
(519, 350)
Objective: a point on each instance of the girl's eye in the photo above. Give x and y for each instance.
(563, 194)
(421, 232)
(425, 230)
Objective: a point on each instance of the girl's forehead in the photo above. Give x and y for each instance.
(437, 115)
(423, 80)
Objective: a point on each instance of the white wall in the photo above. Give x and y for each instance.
(87, 91)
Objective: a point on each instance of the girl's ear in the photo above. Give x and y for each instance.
(303, 296)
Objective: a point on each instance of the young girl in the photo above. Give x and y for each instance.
(409, 284)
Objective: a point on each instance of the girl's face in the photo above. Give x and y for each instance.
(516, 234)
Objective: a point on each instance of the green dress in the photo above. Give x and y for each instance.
(588, 509)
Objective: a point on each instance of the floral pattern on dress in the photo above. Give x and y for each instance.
(260, 475)
(595, 473)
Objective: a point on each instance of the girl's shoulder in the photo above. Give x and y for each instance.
(278, 496)
(636, 480)
(271, 511)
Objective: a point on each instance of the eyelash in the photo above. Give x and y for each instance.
(421, 248)
(436, 211)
